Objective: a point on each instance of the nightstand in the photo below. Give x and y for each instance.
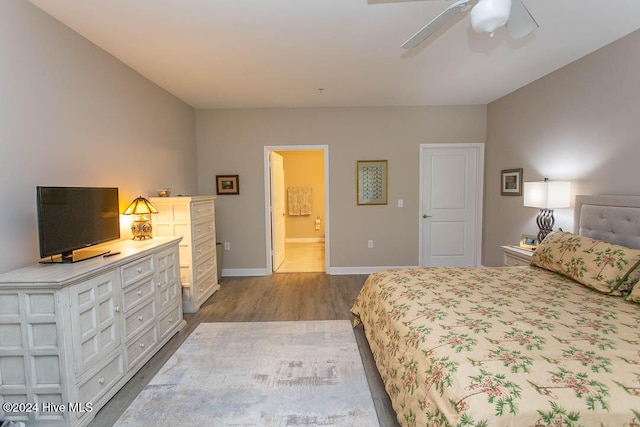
(514, 256)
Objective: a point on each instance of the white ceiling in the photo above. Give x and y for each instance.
(279, 53)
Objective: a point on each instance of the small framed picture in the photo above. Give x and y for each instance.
(227, 184)
(511, 182)
(528, 241)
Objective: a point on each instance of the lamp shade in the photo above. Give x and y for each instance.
(140, 206)
(488, 15)
(547, 194)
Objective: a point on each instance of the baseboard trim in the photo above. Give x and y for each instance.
(361, 270)
(335, 271)
(304, 240)
(238, 272)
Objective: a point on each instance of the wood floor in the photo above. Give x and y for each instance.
(278, 297)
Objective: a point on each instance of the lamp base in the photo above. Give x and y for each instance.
(141, 228)
(545, 223)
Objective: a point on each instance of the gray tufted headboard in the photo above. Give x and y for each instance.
(614, 219)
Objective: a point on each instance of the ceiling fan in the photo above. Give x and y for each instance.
(486, 17)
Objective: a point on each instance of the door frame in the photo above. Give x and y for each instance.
(480, 147)
(277, 211)
(267, 201)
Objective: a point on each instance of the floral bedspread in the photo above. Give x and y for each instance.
(517, 346)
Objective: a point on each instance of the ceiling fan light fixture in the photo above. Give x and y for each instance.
(488, 15)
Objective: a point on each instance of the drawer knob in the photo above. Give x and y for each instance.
(116, 308)
(139, 269)
(170, 319)
(101, 380)
(139, 292)
(140, 318)
(141, 345)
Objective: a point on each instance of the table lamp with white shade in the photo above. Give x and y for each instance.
(546, 195)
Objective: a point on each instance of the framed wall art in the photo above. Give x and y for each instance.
(227, 184)
(371, 182)
(511, 182)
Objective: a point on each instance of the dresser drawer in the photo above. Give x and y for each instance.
(201, 210)
(204, 267)
(202, 229)
(204, 285)
(138, 319)
(137, 293)
(203, 248)
(91, 389)
(510, 261)
(139, 347)
(135, 271)
(170, 320)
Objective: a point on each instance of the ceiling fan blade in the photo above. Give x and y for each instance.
(435, 24)
(520, 23)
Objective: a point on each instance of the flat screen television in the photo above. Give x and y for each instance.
(71, 218)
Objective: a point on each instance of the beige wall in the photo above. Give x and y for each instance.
(305, 169)
(233, 141)
(71, 114)
(580, 123)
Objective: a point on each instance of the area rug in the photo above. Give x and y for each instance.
(259, 374)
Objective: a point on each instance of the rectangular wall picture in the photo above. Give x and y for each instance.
(371, 182)
(511, 182)
(227, 184)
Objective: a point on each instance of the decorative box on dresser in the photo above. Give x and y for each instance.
(513, 256)
(193, 218)
(71, 335)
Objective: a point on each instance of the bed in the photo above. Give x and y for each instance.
(552, 344)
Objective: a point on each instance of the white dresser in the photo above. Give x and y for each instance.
(193, 218)
(71, 335)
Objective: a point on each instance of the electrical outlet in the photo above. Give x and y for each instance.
(370, 244)
(400, 203)
(227, 246)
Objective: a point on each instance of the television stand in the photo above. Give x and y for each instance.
(75, 334)
(70, 257)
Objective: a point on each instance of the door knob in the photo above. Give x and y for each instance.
(426, 216)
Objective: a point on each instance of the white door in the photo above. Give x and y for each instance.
(268, 204)
(277, 205)
(451, 192)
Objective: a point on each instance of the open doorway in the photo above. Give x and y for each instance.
(296, 206)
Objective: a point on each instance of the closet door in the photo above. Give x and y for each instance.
(451, 193)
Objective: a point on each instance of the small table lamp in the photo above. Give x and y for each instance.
(547, 196)
(141, 227)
